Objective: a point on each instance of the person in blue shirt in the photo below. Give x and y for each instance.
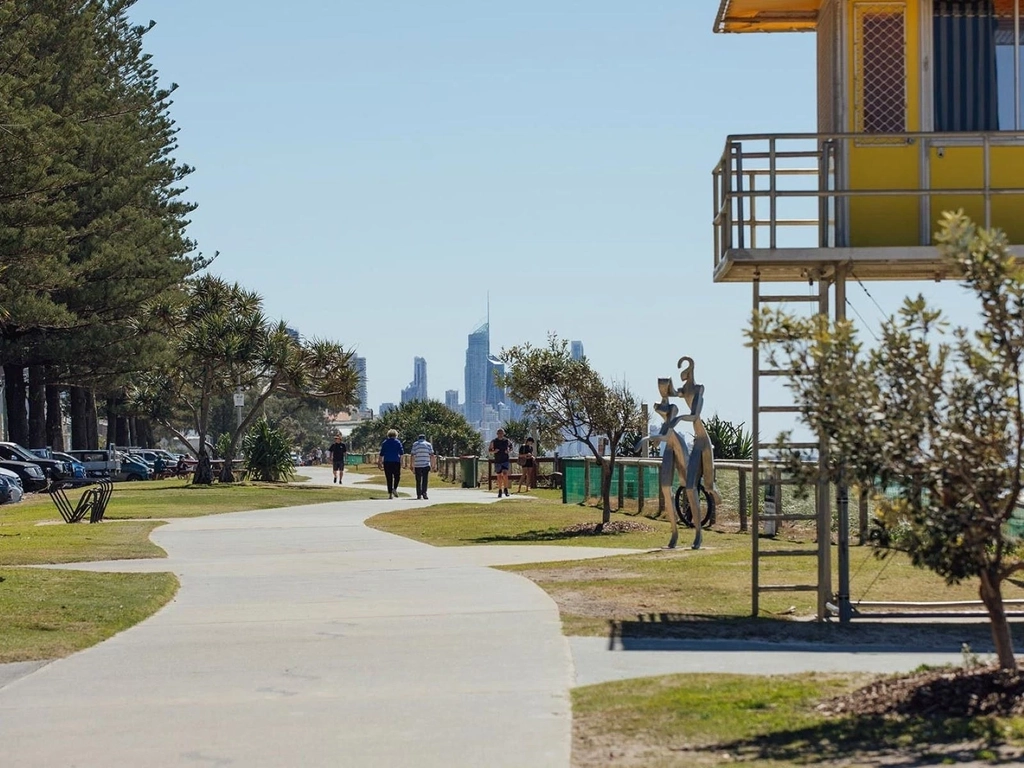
(390, 459)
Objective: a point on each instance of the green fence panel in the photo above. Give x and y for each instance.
(572, 480)
(574, 492)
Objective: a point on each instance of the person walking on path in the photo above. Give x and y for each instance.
(500, 447)
(421, 452)
(527, 465)
(338, 450)
(390, 459)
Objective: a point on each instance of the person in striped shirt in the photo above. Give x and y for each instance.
(421, 452)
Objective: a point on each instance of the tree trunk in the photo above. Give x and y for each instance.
(15, 393)
(144, 430)
(227, 472)
(110, 410)
(121, 430)
(79, 426)
(36, 407)
(992, 596)
(204, 470)
(606, 490)
(91, 423)
(54, 418)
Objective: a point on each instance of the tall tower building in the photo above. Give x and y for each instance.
(451, 399)
(359, 364)
(419, 377)
(576, 350)
(495, 393)
(417, 390)
(478, 350)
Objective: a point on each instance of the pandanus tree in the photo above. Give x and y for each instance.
(219, 341)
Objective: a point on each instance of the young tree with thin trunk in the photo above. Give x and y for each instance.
(932, 417)
(571, 397)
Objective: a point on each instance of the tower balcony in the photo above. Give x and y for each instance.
(790, 207)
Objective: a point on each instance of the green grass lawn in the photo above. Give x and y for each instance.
(47, 614)
(663, 590)
(698, 721)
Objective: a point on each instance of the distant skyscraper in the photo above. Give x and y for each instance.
(478, 351)
(417, 390)
(359, 364)
(451, 399)
(292, 332)
(384, 408)
(576, 350)
(495, 393)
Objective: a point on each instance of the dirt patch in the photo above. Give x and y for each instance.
(973, 692)
(605, 529)
(582, 573)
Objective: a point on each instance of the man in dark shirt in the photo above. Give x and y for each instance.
(338, 450)
(390, 460)
(500, 447)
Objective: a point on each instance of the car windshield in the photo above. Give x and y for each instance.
(23, 452)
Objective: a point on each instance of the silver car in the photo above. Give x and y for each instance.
(10, 487)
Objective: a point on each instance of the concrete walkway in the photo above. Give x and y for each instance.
(300, 637)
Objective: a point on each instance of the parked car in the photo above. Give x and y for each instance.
(53, 468)
(31, 475)
(132, 468)
(10, 487)
(78, 475)
(147, 456)
(98, 463)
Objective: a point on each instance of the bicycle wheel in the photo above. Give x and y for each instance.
(685, 515)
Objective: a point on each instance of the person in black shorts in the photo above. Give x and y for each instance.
(527, 465)
(338, 450)
(500, 447)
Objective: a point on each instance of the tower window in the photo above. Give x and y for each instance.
(882, 78)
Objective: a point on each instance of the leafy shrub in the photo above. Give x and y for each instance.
(268, 455)
(730, 441)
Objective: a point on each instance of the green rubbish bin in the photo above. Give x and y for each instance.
(469, 471)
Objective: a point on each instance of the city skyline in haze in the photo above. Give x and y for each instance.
(393, 163)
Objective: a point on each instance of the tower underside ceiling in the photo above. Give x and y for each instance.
(767, 16)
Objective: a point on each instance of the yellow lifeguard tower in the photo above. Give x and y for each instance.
(919, 112)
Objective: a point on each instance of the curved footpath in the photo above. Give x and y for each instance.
(300, 637)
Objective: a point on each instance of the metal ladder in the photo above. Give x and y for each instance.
(762, 475)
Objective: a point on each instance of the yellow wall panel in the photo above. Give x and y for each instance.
(960, 167)
(873, 164)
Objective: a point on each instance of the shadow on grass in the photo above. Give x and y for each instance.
(878, 740)
(912, 636)
(534, 536)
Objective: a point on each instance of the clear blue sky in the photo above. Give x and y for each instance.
(373, 169)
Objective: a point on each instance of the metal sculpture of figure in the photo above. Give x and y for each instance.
(692, 458)
(700, 468)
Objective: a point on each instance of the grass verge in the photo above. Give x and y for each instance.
(48, 614)
(680, 592)
(700, 721)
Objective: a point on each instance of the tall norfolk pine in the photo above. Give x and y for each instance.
(91, 216)
(933, 417)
